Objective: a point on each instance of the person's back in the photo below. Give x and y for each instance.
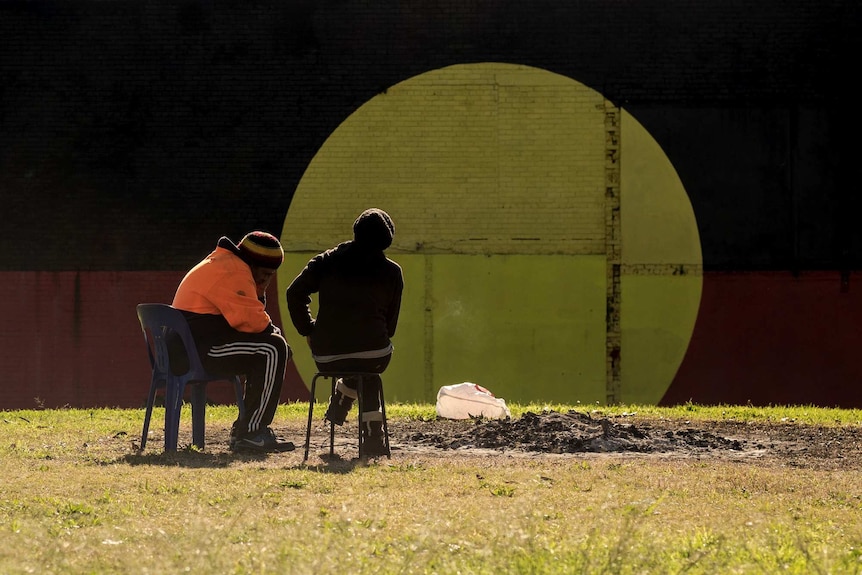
(359, 295)
(359, 299)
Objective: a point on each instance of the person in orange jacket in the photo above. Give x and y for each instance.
(224, 300)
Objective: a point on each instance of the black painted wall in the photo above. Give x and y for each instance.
(132, 134)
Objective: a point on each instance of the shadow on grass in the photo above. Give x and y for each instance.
(189, 458)
(194, 459)
(333, 464)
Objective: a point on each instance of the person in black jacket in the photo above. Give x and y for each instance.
(358, 305)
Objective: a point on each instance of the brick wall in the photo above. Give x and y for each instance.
(133, 135)
(200, 118)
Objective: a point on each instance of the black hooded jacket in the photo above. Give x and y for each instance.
(359, 299)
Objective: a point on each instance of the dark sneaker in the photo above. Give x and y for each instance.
(339, 406)
(262, 441)
(373, 446)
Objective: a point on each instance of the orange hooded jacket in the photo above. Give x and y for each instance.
(222, 284)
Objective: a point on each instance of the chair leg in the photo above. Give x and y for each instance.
(332, 424)
(360, 404)
(173, 405)
(385, 424)
(310, 414)
(199, 409)
(151, 399)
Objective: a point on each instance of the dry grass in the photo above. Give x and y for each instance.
(75, 497)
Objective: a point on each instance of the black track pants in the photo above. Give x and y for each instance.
(262, 358)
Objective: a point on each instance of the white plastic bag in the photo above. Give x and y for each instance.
(466, 400)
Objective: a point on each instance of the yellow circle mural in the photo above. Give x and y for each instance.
(525, 206)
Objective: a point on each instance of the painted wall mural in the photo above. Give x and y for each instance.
(595, 202)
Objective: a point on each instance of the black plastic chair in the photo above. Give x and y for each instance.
(333, 376)
(158, 322)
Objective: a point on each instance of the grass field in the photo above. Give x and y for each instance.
(77, 497)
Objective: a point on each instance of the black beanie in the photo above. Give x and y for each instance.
(373, 229)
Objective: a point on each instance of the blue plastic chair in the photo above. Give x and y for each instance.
(158, 322)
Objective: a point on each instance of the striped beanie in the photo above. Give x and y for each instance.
(261, 249)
